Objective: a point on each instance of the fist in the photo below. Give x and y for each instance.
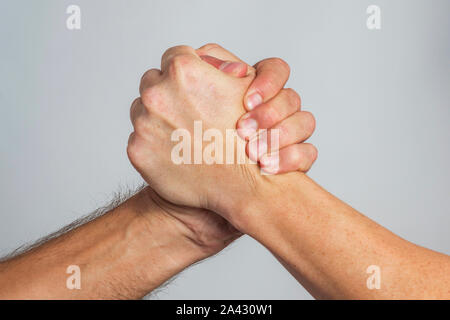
(187, 93)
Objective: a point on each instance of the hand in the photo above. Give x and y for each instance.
(270, 106)
(214, 229)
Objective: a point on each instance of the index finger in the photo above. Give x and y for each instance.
(217, 51)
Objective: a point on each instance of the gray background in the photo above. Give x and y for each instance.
(381, 100)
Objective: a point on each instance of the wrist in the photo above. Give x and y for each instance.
(273, 197)
(125, 253)
(163, 242)
(232, 197)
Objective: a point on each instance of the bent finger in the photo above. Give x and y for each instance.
(271, 76)
(296, 128)
(170, 53)
(291, 158)
(149, 78)
(267, 115)
(237, 69)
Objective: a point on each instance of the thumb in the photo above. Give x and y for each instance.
(237, 69)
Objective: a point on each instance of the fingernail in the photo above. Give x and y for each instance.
(254, 100)
(247, 127)
(270, 164)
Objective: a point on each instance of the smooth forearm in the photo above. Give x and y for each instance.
(328, 246)
(125, 253)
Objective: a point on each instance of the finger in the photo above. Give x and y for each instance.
(237, 69)
(131, 138)
(291, 158)
(170, 53)
(135, 110)
(217, 51)
(149, 78)
(267, 115)
(297, 128)
(215, 62)
(271, 76)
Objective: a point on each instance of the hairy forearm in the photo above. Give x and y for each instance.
(123, 254)
(328, 246)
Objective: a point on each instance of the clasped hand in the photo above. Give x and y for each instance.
(213, 87)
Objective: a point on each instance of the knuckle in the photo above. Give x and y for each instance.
(269, 116)
(313, 152)
(133, 108)
(180, 64)
(149, 73)
(304, 156)
(310, 121)
(133, 151)
(283, 131)
(181, 59)
(149, 78)
(209, 46)
(281, 64)
(296, 155)
(269, 85)
(174, 49)
(139, 118)
(150, 97)
(140, 125)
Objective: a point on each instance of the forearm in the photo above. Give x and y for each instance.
(328, 246)
(125, 253)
